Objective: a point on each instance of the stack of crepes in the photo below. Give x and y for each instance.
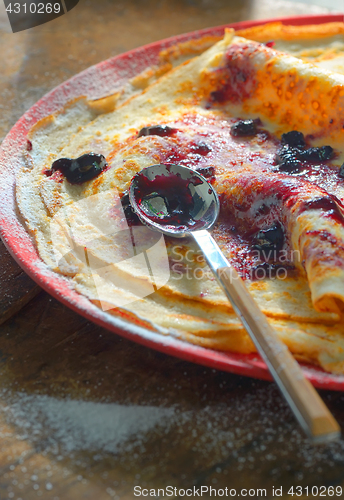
(190, 116)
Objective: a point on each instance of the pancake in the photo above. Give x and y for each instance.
(230, 113)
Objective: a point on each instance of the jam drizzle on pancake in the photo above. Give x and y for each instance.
(262, 195)
(239, 156)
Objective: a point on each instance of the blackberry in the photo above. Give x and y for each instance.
(244, 128)
(269, 239)
(201, 148)
(294, 139)
(79, 170)
(317, 154)
(287, 159)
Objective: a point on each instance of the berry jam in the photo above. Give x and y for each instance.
(330, 204)
(79, 170)
(166, 199)
(270, 44)
(236, 78)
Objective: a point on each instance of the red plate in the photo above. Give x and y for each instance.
(102, 79)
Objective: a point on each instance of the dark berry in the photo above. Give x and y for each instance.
(161, 130)
(244, 128)
(326, 152)
(201, 148)
(294, 139)
(317, 154)
(28, 145)
(82, 169)
(288, 160)
(269, 239)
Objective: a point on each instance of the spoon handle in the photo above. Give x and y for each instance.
(306, 404)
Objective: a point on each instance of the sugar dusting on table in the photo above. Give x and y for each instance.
(73, 425)
(234, 438)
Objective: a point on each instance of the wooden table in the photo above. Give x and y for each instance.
(86, 414)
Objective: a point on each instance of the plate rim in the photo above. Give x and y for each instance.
(12, 227)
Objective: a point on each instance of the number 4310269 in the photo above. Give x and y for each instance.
(34, 8)
(316, 491)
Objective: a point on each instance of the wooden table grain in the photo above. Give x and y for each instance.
(86, 414)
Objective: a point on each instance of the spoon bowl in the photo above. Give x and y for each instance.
(174, 199)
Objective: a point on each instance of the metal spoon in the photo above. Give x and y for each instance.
(178, 201)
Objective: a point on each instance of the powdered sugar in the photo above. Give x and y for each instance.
(70, 425)
(253, 433)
